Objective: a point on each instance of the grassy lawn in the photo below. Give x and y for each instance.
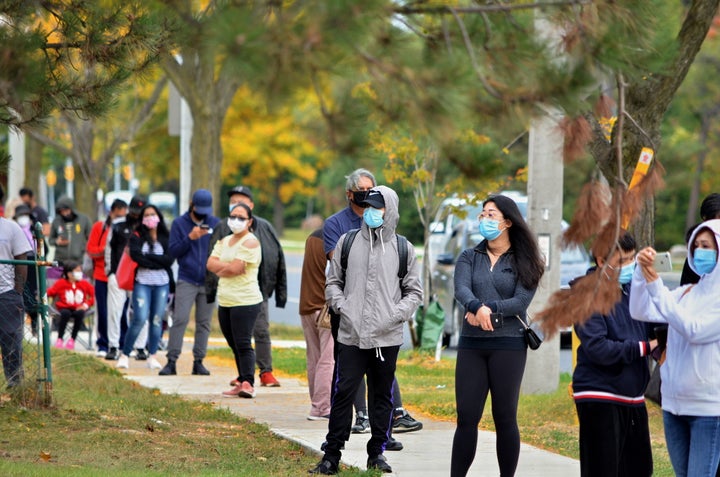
(102, 424)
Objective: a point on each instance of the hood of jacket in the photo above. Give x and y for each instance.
(369, 296)
(714, 226)
(65, 202)
(391, 216)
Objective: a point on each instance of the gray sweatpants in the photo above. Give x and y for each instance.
(261, 335)
(187, 295)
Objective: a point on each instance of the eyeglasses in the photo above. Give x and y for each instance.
(490, 214)
(237, 217)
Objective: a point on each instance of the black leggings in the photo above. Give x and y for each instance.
(236, 324)
(477, 372)
(66, 315)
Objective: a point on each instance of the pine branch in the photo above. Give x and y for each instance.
(407, 10)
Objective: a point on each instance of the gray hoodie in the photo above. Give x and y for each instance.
(76, 230)
(371, 301)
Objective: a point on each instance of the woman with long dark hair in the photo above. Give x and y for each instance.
(148, 247)
(495, 283)
(235, 260)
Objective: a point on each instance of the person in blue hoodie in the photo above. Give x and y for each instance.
(690, 375)
(189, 244)
(610, 379)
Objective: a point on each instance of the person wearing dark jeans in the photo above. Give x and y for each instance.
(236, 324)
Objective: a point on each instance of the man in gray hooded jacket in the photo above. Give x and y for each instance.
(373, 304)
(69, 231)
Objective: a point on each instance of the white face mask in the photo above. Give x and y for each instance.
(77, 276)
(23, 221)
(237, 225)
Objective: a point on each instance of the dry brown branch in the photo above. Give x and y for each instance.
(577, 133)
(596, 292)
(592, 211)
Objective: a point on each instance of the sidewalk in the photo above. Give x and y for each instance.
(426, 453)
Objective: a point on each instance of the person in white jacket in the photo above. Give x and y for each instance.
(691, 371)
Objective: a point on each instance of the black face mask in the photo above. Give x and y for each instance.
(358, 196)
(200, 217)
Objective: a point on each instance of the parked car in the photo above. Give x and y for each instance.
(574, 262)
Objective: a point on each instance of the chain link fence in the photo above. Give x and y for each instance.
(25, 331)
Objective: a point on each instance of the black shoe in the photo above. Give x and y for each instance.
(199, 369)
(112, 355)
(325, 467)
(393, 445)
(380, 463)
(141, 354)
(362, 423)
(169, 369)
(323, 446)
(404, 422)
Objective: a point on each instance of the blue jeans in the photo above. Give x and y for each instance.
(693, 443)
(147, 301)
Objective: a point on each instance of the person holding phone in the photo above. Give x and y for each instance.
(690, 382)
(499, 276)
(189, 245)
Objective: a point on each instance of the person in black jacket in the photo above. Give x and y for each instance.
(149, 248)
(609, 381)
(709, 209)
(272, 277)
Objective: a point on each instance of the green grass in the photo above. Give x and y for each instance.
(102, 424)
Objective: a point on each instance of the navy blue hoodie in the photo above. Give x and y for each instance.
(191, 255)
(612, 363)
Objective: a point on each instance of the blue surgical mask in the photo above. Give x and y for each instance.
(489, 229)
(626, 273)
(704, 260)
(373, 217)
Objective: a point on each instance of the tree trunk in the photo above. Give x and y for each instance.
(690, 218)
(207, 154)
(33, 165)
(278, 209)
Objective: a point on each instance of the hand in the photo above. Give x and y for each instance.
(197, 232)
(653, 345)
(481, 318)
(646, 260)
(84, 306)
(62, 241)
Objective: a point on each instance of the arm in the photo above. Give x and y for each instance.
(181, 238)
(149, 260)
(95, 245)
(20, 274)
(107, 251)
(281, 280)
(89, 293)
(411, 288)
(602, 350)
(335, 282)
(331, 235)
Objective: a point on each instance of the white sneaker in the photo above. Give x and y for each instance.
(154, 363)
(123, 362)
(100, 353)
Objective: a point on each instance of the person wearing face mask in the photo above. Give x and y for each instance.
(149, 248)
(74, 295)
(272, 276)
(190, 245)
(690, 384)
(373, 305)
(495, 282)
(69, 231)
(610, 378)
(235, 260)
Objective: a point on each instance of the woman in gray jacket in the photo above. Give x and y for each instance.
(494, 282)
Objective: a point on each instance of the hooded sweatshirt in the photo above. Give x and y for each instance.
(76, 230)
(372, 302)
(691, 371)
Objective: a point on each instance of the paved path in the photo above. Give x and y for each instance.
(284, 410)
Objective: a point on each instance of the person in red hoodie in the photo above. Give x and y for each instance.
(74, 295)
(96, 250)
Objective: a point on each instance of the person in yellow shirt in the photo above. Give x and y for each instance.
(235, 260)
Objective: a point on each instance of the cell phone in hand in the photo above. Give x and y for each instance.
(663, 262)
(204, 226)
(496, 319)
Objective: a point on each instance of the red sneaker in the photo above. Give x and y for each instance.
(246, 390)
(232, 392)
(267, 379)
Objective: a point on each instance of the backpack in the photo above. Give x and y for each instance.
(402, 244)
